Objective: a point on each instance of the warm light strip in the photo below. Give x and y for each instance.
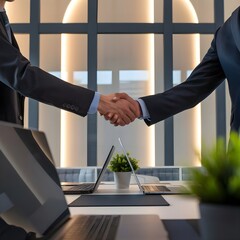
(196, 59)
(64, 75)
(151, 144)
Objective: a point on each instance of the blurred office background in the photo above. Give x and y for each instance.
(140, 47)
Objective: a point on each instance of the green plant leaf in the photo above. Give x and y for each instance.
(218, 180)
(119, 163)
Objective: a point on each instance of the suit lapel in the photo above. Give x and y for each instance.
(3, 31)
(14, 42)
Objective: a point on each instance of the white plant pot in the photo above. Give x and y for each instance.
(122, 179)
(219, 222)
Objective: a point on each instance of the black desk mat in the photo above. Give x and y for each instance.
(182, 229)
(118, 200)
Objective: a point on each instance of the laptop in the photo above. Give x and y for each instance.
(31, 196)
(153, 188)
(86, 188)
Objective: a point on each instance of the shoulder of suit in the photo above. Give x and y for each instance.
(235, 13)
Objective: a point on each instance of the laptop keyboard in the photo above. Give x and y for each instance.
(155, 188)
(90, 227)
(83, 186)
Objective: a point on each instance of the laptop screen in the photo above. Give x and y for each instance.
(130, 164)
(29, 183)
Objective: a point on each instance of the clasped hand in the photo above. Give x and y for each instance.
(119, 108)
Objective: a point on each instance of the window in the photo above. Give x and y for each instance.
(122, 45)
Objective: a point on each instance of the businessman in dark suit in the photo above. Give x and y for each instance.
(18, 78)
(222, 61)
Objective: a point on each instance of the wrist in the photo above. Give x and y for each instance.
(103, 105)
(139, 112)
(100, 104)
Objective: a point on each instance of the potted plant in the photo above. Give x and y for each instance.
(217, 186)
(122, 170)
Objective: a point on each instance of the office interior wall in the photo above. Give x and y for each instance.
(73, 129)
(208, 106)
(229, 7)
(204, 10)
(49, 116)
(53, 11)
(159, 87)
(187, 125)
(130, 60)
(20, 13)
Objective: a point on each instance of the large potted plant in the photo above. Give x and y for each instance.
(217, 185)
(122, 170)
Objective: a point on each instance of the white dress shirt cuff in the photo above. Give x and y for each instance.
(94, 105)
(145, 113)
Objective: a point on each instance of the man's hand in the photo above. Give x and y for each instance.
(119, 109)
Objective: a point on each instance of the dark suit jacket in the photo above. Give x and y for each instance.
(221, 61)
(18, 78)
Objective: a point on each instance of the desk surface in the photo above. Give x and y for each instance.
(181, 206)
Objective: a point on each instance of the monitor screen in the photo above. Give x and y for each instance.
(29, 182)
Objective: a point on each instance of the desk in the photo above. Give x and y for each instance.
(181, 206)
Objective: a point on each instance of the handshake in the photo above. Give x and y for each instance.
(119, 108)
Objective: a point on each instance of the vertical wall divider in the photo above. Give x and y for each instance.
(92, 80)
(34, 57)
(168, 80)
(221, 90)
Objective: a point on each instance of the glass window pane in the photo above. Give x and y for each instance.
(135, 11)
(186, 57)
(158, 11)
(18, 11)
(23, 43)
(193, 11)
(55, 11)
(199, 123)
(229, 7)
(68, 57)
(130, 58)
(208, 106)
(159, 87)
(187, 125)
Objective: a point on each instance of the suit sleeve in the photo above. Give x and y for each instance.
(205, 78)
(17, 73)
